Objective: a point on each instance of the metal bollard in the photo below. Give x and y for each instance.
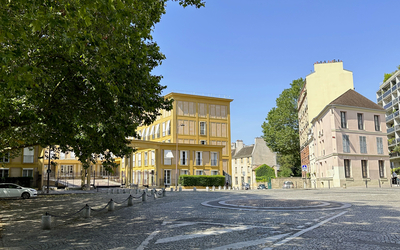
(180, 189)
(86, 211)
(224, 187)
(163, 192)
(111, 205)
(229, 188)
(130, 201)
(213, 188)
(144, 196)
(207, 188)
(46, 222)
(172, 189)
(219, 187)
(194, 189)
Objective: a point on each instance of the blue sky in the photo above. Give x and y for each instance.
(251, 50)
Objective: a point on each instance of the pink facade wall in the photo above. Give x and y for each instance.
(328, 147)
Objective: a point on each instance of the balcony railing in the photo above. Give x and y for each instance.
(390, 130)
(391, 142)
(379, 98)
(394, 87)
(397, 127)
(395, 100)
(389, 117)
(392, 155)
(387, 105)
(398, 139)
(395, 114)
(387, 93)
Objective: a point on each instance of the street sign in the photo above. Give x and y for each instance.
(48, 171)
(304, 167)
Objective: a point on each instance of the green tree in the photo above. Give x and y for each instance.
(264, 172)
(386, 76)
(281, 129)
(77, 74)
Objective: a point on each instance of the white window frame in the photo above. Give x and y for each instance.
(183, 158)
(203, 142)
(29, 154)
(167, 177)
(199, 158)
(379, 145)
(153, 158)
(203, 129)
(214, 158)
(214, 172)
(163, 129)
(146, 158)
(2, 172)
(139, 159)
(167, 160)
(5, 159)
(27, 170)
(199, 172)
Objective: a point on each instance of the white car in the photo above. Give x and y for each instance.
(8, 190)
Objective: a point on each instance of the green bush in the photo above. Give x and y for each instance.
(396, 170)
(202, 180)
(264, 172)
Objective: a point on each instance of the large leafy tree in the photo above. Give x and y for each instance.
(77, 73)
(281, 129)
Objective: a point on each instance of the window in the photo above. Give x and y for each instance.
(363, 144)
(167, 157)
(214, 172)
(62, 155)
(203, 128)
(381, 169)
(248, 179)
(379, 145)
(248, 169)
(235, 170)
(163, 129)
(347, 168)
(167, 177)
(214, 159)
(241, 160)
(343, 121)
(158, 130)
(346, 144)
(28, 154)
(185, 172)
(235, 161)
(71, 155)
(3, 172)
(360, 121)
(199, 158)
(184, 157)
(169, 128)
(376, 121)
(364, 169)
(199, 172)
(139, 159)
(145, 158)
(134, 160)
(153, 158)
(5, 158)
(27, 172)
(236, 181)
(203, 142)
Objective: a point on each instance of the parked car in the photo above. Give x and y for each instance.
(288, 184)
(262, 186)
(8, 190)
(246, 186)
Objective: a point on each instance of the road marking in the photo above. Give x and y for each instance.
(304, 231)
(182, 224)
(251, 242)
(202, 234)
(147, 240)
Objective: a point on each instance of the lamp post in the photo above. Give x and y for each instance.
(176, 158)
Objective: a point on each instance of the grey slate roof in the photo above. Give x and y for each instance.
(354, 99)
(244, 152)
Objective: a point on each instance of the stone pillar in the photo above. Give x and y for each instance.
(130, 201)
(86, 211)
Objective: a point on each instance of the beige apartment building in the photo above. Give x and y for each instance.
(349, 140)
(328, 81)
(245, 159)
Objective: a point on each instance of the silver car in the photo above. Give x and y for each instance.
(288, 184)
(8, 190)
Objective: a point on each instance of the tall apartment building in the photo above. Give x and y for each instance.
(198, 128)
(388, 98)
(328, 81)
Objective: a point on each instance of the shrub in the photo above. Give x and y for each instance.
(264, 171)
(202, 180)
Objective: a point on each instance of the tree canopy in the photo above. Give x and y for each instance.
(264, 172)
(281, 129)
(77, 74)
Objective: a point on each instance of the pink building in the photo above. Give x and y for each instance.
(350, 144)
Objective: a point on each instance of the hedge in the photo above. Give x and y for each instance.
(202, 180)
(22, 181)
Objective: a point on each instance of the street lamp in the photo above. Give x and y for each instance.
(176, 159)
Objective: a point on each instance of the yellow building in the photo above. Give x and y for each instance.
(193, 138)
(25, 165)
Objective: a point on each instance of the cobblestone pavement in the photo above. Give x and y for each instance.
(180, 221)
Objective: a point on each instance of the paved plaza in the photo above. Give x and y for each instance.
(352, 218)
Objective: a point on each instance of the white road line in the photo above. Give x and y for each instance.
(147, 240)
(305, 230)
(202, 234)
(182, 224)
(251, 242)
(229, 225)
